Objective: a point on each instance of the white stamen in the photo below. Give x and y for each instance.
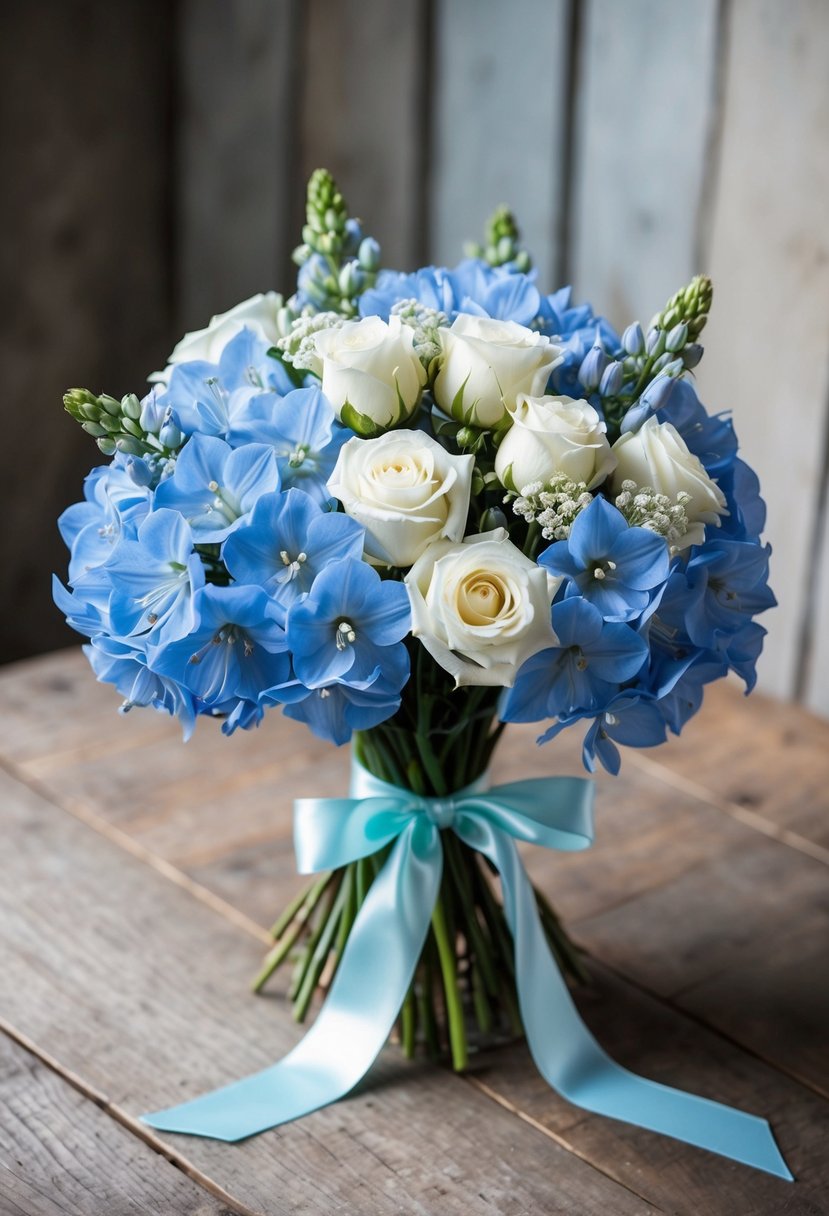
(599, 573)
(345, 635)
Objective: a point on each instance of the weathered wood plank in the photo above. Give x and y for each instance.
(234, 165)
(763, 758)
(499, 123)
(653, 1040)
(742, 941)
(363, 81)
(140, 990)
(646, 87)
(84, 90)
(60, 1154)
(769, 256)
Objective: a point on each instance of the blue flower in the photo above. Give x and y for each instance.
(215, 486)
(307, 438)
(113, 504)
(582, 673)
(727, 584)
(334, 711)
(287, 541)
(237, 648)
(153, 578)
(746, 516)
(611, 564)
(125, 666)
(471, 287)
(350, 624)
(222, 399)
(630, 718)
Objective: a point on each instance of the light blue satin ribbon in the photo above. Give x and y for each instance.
(386, 941)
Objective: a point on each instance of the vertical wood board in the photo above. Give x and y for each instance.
(766, 347)
(499, 123)
(644, 106)
(363, 81)
(236, 128)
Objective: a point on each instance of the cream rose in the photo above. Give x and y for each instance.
(406, 490)
(656, 455)
(259, 313)
(487, 363)
(552, 435)
(371, 373)
(481, 608)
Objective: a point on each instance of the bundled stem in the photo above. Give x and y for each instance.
(439, 742)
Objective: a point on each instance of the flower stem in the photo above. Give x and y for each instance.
(454, 1007)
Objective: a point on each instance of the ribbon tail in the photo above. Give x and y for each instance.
(573, 1063)
(364, 1000)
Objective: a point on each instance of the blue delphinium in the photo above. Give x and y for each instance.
(583, 672)
(237, 649)
(307, 438)
(153, 578)
(609, 563)
(227, 398)
(287, 542)
(350, 626)
(215, 486)
(125, 665)
(334, 711)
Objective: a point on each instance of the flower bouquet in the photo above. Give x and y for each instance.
(410, 509)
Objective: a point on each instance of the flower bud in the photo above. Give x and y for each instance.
(138, 471)
(152, 413)
(128, 446)
(465, 437)
(661, 363)
(350, 280)
(106, 445)
(131, 407)
(170, 433)
(611, 380)
(677, 338)
(691, 355)
(655, 342)
(94, 429)
(633, 340)
(369, 254)
(110, 404)
(493, 518)
(592, 368)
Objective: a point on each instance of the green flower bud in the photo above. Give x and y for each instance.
(107, 446)
(110, 404)
(131, 407)
(129, 446)
(92, 428)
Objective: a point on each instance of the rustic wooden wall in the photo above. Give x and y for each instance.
(638, 142)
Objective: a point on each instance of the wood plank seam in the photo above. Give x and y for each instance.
(744, 815)
(131, 1124)
(556, 1137)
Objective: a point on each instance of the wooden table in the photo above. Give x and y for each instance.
(139, 875)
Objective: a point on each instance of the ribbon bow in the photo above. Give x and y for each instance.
(385, 943)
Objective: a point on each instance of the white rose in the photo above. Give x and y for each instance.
(371, 373)
(656, 455)
(481, 608)
(487, 363)
(552, 435)
(406, 490)
(258, 313)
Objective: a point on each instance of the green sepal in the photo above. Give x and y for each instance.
(360, 424)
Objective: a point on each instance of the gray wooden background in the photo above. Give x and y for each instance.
(154, 156)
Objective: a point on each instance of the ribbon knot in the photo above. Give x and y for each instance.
(440, 811)
(385, 943)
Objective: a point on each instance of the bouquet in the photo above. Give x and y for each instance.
(409, 509)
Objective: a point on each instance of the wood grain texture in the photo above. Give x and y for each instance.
(647, 81)
(126, 980)
(60, 1155)
(768, 253)
(499, 123)
(235, 149)
(363, 85)
(85, 284)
